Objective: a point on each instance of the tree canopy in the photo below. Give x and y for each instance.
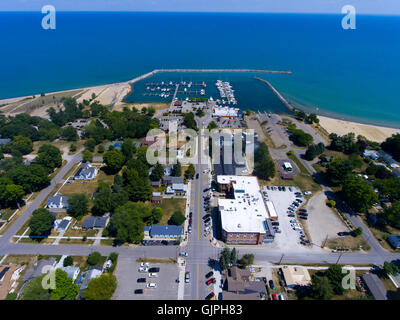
(101, 288)
(41, 222)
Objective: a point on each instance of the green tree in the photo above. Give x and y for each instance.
(100, 149)
(128, 148)
(78, 205)
(73, 147)
(21, 144)
(321, 288)
(87, 156)
(103, 200)
(358, 193)
(392, 214)
(246, 260)
(90, 144)
(41, 222)
(34, 290)
(335, 276)
(212, 125)
(357, 232)
(177, 169)
(65, 289)
(114, 160)
(233, 258)
(101, 288)
(94, 258)
(49, 157)
(157, 172)
(301, 138)
(390, 269)
(177, 219)
(12, 195)
(68, 261)
(392, 146)
(127, 221)
(264, 167)
(137, 187)
(225, 259)
(338, 169)
(190, 172)
(156, 215)
(69, 133)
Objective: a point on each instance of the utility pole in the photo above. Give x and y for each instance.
(339, 258)
(281, 258)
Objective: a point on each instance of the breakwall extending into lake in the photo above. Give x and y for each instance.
(284, 101)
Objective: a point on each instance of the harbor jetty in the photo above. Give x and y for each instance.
(284, 101)
(149, 74)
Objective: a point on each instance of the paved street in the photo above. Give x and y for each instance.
(199, 248)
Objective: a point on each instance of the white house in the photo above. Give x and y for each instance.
(86, 172)
(57, 202)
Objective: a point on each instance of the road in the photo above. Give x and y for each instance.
(199, 248)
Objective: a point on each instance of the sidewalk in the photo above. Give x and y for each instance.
(187, 211)
(181, 286)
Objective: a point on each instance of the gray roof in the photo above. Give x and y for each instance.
(166, 230)
(394, 241)
(58, 199)
(63, 224)
(173, 180)
(91, 274)
(37, 269)
(95, 222)
(70, 270)
(375, 286)
(4, 141)
(86, 170)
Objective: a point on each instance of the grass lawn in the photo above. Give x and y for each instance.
(156, 260)
(86, 187)
(170, 206)
(381, 235)
(348, 242)
(76, 241)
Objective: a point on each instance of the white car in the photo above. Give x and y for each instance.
(143, 269)
(151, 285)
(153, 275)
(144, 264)
(183, 254)
(308, 193)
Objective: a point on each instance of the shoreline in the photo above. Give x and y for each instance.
(120, 90)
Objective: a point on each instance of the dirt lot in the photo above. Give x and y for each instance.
(322, 221)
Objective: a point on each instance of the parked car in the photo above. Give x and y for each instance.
(291, 215)
(308, 193)
(187, 277)
(190, 214)
(153, 275)
(154, 269)
(143, 269)
(271, 284)
(190, 221)
(151, 285)
(190, 229)
(290, 189)
(144, 264)
(207, 220)
(209, 281)
(278, 230)
(274, 297)
(210, 296)
(139, 291)
(183, 254)
(197, 176)
(209, 274)
(275, 223)
(141, 280)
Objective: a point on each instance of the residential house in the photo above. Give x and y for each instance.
(4, 141)
(172, 180)
(388, 159)
(371, 154)
(179, 188)
(72, 272)
(238, 286)
(157, 198)
(63, 224)
(95, 222)
(41, 267)
(57, 202)
(167, 169)
(394, 240)
(155, 184)
(93, 273)
(296, 276)
(375, 286)
(86, 172)
(148, 141)
(169, 190)
(9, 274)
(164, 231)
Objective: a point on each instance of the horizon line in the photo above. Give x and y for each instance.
(201, 12)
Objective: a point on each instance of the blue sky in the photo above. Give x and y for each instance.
(292, 6)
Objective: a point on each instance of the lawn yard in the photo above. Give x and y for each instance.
(87, 187)
(381, 235)
(350, 242)
(170, 206)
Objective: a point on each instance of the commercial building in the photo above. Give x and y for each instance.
(226, 112)
(163, 232)
(244, 217)
(238, 286)
(296, 276)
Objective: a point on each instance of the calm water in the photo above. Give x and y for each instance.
(350, 74)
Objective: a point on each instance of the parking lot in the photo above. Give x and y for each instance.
(288, 239)
(127, 273)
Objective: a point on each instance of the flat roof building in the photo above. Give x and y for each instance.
(243, 218)
(296, 276)
(375, 286)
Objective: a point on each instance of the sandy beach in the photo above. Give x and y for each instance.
(342, 127)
